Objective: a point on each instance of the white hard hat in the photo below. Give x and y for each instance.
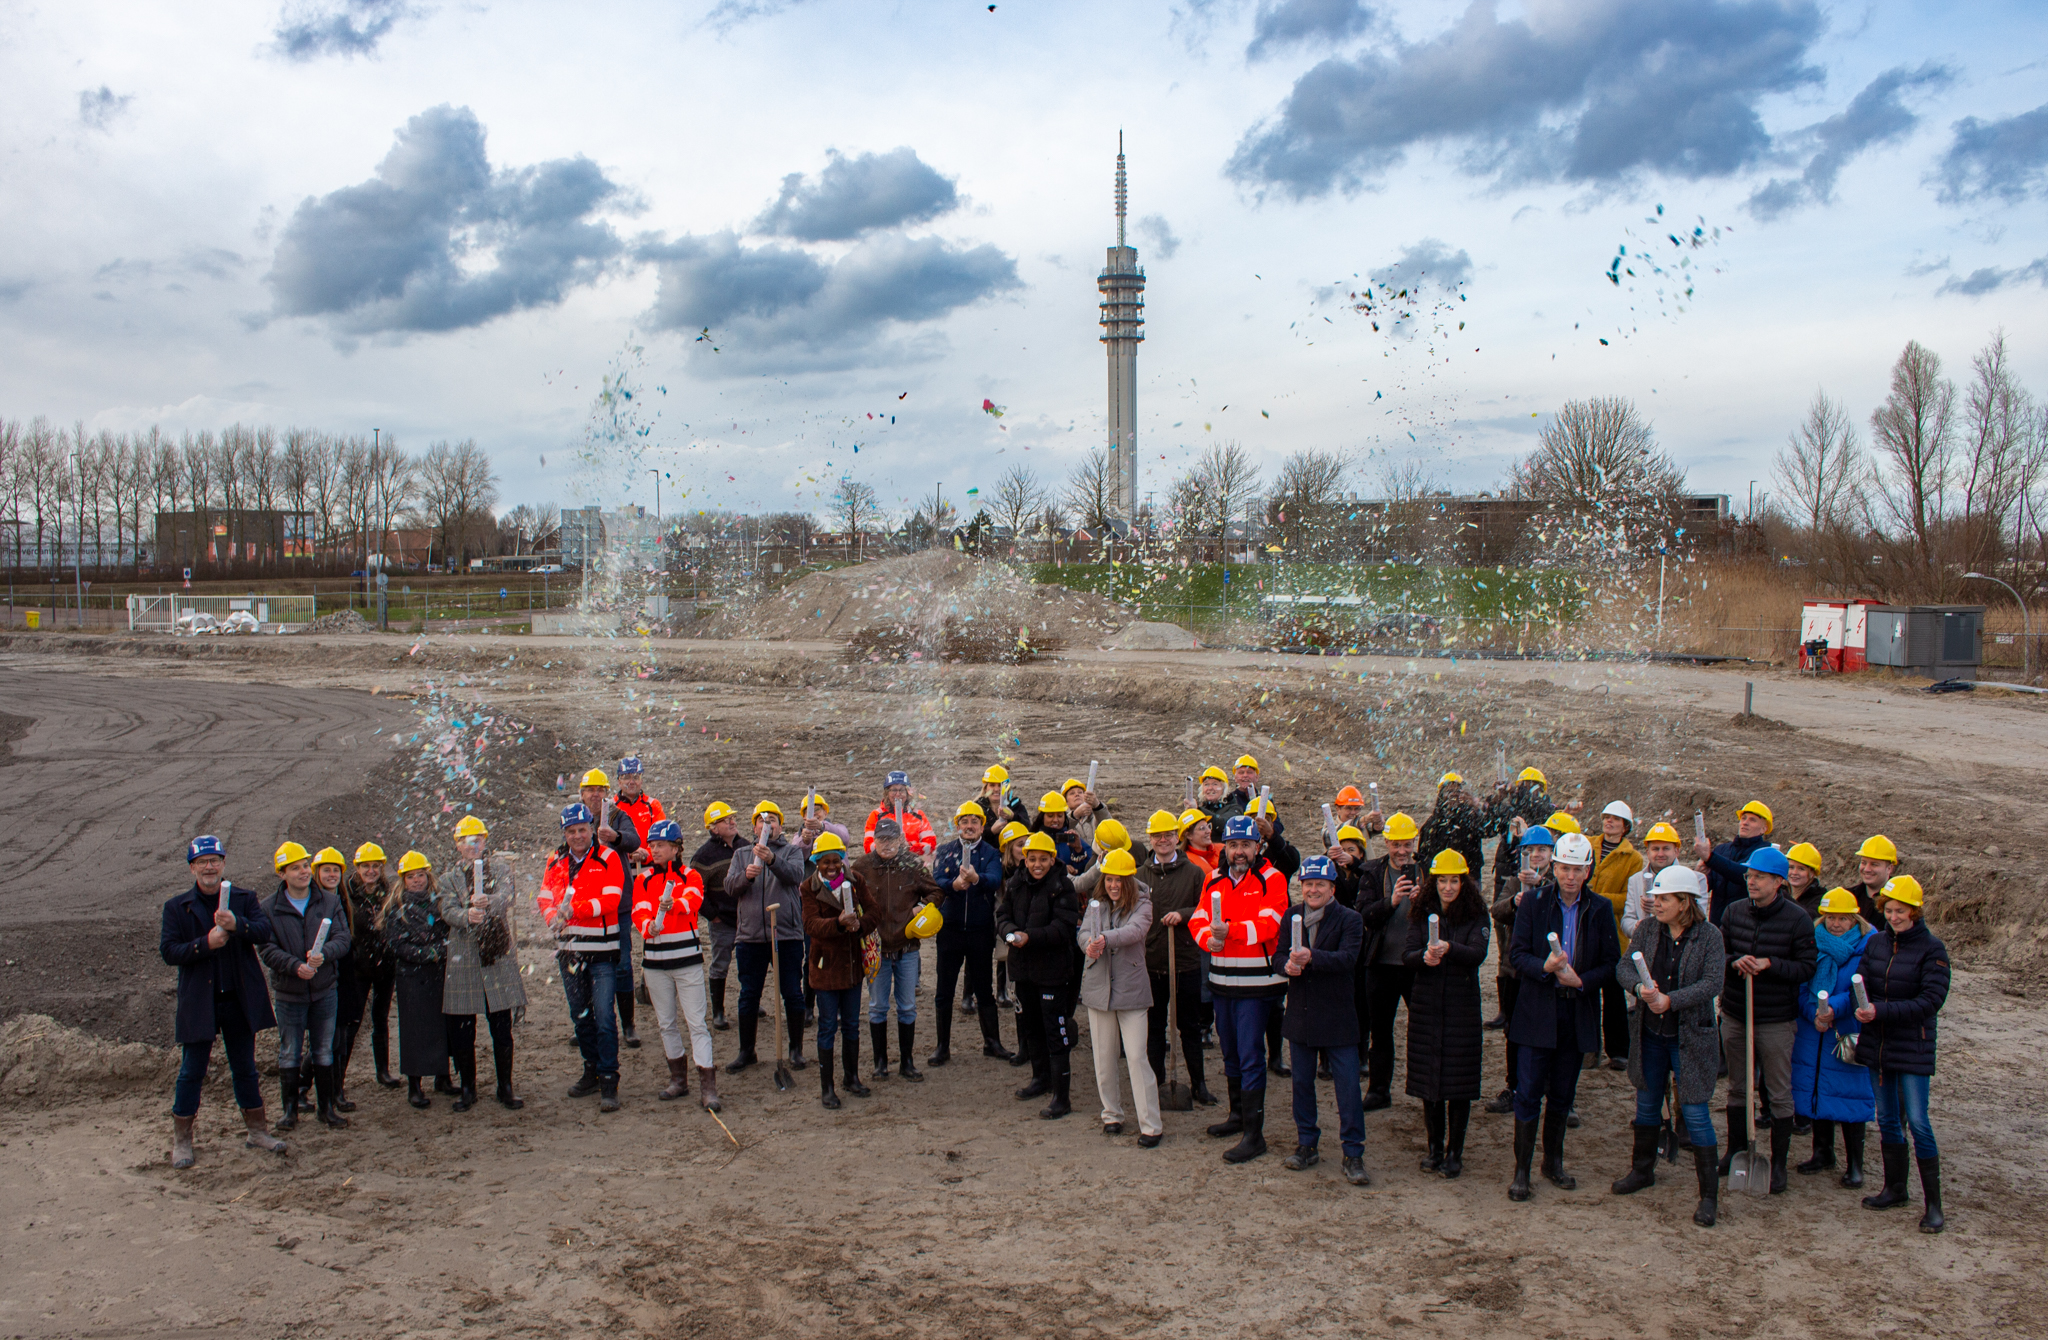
(1572, 849)
(1620, 810)
(1680, 880)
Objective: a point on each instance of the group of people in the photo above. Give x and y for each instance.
(1214, 925)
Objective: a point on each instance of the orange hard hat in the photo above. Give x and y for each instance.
(1350, 795)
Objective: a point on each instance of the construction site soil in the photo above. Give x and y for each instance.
(944, 1208)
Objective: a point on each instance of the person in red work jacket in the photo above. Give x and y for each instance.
(666, 898)
(643, 809)
(917, 831)
(1252, 896)
(579, 899)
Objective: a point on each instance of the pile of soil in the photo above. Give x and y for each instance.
(341, 621)
(41, 1058)
(1147, 636)
(922, 593)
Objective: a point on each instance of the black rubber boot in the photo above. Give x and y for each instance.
(718, 1019)
(796, 1043)
(1553, 1151)
(608, 1093)
(750, 1028)
(1253, 1142)
(416, 1094)
(1234, 1123)
(878, 1038)
(1823, 1159)
(288, 1098)
(1894, 1192)
(1707, 1167)
(1930, 1191)
(444, 1083)
(1525, 1153)
(906, 1042)
(344, 1048)
(306, 1084)
(1003, 984)
(942, 1020)
(1433, 1123)
(323, 1092)
(380, 1053)
(1738, 1136)
(466, 1099)
(1642, 1164)
(1852, 1154)
(1781, 1153)
(1460, 1117)
(624, 1002)
(991, 1033)
(1062, 1087)
(826, 1097)
(1276, 1053)
(585, 1085)
(850, 1078)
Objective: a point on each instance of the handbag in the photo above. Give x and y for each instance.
(1845, 1047)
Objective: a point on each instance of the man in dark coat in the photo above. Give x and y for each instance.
(1565, 947)
(210, 933)
(970, 871)
(1727, 864)
(1770, 953)
(1386, 896)
(1318, 953)
(1456, 824)
(721, 915)
(1513, 809)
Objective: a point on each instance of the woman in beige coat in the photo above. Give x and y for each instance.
(482, 975)
(1117, 990)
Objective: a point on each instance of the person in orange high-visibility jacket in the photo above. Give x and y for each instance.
(579, 899)
(666, 898)
(637, 803)
(1252, 899)
(918, 836)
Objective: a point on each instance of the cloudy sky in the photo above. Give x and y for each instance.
(799, 227)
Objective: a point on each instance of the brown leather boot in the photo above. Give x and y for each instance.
(181, 1141)
(707, 1086)
(678, 1079)
(259, 1131)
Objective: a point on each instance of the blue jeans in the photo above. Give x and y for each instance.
(1907, 1092)
(1660, 1064)
(1241, 1036)
(1350, 1103)
(839, 1013)
(896, 977)
(303, 1022)
(590, 986)
(753, 960)
(240, 1046)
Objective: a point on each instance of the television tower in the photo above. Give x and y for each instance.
(1122, 283)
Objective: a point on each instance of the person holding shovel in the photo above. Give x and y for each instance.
(308, 932)
(1238, 922)
(768, 871)
(1771, 953)
(895, 879)
(483, 975)
(667, 897)
(837, 917)
(209, 934)
(1174, 884)
(579, 900)
(1317, 952)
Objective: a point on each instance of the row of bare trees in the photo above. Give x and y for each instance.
(1948, 485)
(300, 499)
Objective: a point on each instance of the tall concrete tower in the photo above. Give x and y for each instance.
(1122, 283)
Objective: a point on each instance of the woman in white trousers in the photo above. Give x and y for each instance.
(1118, 993)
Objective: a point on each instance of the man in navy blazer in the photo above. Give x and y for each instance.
(211, 940)
(1322, 1013)
(1564, 950)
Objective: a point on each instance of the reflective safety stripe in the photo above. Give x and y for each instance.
(679, 949)
(576, 939)
(1251, 970)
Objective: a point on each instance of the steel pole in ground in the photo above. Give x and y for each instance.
(1748, 697)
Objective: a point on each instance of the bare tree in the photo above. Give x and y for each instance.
(1209, 497)
(1091, 493)
(1820, 469)
(1599, 453)
(1914, 433)
(457, 489)
(1310, 487)
(1018, 496)
(198, 457)
(41, 462)
(1998, 462)
(855, 508)
(394, 483)
(11, 480)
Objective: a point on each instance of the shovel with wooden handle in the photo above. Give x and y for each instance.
(1175, 1095)
(783, 1079)
(1750, 1170)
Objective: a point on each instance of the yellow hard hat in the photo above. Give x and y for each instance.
(1532, 774)
(414, 860)
(1246, 761)
(996, 772)
(290, 853)
(968, 807)
(1119, 862)
(1448, 778)
(596, 777)
(1190, 817)
(1559, 823)
(368, 853)
(471, 826)
(1214, 773)
(715, 811)
(1052, 802)
(1349, 833)
(1011, 832)
(767, 807)
(1661, 832)
(1163, 821)
(924, 923)
(816, 802)
(1261, 811)
(1763, 812)
(1401, 828)
(1904, 889)
(1449, 862)
(1839, 903)
(1073, 784)
(328, 856)
(1878, 847)
(1110, 834)
(1040, 842)
(826, 841)
(1807, 855)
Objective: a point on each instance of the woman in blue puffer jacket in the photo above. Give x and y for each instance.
(1906, 972)
(1826, 1090)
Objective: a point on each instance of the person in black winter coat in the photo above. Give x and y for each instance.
(1906, 975)
(211, 940)
(1456, 824)
(1512, 811)
(969, 870)
(1565, 948)
(1445, 1034)
(1037, 917)
(419, 940)
(374, 970)
(1321, 1016)
(303, 982)
(1768, 940)
(1727, 864)
(721, 915)
(1387, 888)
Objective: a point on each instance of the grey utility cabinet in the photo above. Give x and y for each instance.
(1938, 641)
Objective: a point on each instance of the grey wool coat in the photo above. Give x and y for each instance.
(1701, 966)
(468, 986)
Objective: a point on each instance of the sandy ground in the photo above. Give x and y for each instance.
(947, 1207)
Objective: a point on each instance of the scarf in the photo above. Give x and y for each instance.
(1311, 917)
(1835, 952)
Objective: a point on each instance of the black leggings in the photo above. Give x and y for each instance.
(462, 1043)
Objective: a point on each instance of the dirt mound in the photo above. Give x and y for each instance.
(1145, 636)
(41, 1058)
(341, 621)
(921, 592)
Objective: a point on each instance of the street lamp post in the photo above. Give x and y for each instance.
(2026, 618)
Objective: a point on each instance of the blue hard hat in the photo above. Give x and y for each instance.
(1319, 867)
(1240, 828)
(630, 765)
(1539, 836)
(204, 845)
(898, 779)
(1768, 860)
(665, 830)
(579, 813)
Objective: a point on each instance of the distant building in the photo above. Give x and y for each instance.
(1122, 284)
(238, 535)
